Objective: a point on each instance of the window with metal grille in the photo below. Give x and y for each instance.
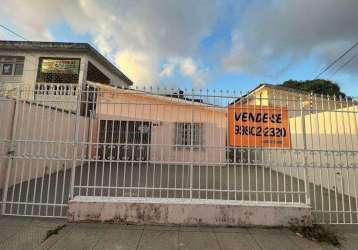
(58, 70)
(187, 132)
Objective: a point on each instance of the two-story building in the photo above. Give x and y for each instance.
(54, 70)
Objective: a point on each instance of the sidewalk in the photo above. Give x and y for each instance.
(28, 233)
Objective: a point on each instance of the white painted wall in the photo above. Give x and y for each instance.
(335, 135)
(7, 112)
(43, 140)
(28, 79)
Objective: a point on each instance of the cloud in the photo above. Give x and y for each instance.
(168, 70)
(137, 66)
(188, 67)
(198, 73)
(137, 29)
(29, 18)
(161, 38)
(275, 35)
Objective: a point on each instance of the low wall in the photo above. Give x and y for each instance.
(183, 212)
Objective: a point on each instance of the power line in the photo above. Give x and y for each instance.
(336, 60)
(13, 32)
(345, 64)
(24, 38)
(27, 40)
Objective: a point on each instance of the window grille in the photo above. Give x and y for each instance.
(186, 132)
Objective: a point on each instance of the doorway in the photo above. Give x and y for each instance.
(124, 140)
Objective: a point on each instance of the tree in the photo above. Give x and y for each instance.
(317, 86)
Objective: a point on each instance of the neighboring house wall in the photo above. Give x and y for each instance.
(331, 127)
(28, 79)
(7, 113)
(294, 101)
(24, 85)
(43, 140)
(331, 146)
(31, 63)
(164, 113)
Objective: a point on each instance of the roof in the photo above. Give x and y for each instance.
(282, 88)
(63, 47)
(272, 86)
(161, 96)
(279, 87)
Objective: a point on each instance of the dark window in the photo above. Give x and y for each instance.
(7, 69)
(89, 100)
(95, 75)
(19, 69)
(58, 70)
(124, 140)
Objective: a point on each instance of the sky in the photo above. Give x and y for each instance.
(201, 44)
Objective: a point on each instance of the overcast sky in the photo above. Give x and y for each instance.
(229, 44)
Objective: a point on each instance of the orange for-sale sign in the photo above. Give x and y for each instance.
(258, 126)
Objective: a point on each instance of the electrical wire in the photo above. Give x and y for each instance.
(345, 64)
(13, 32)
(336, 60)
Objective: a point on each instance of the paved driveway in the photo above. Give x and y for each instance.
(48, 195)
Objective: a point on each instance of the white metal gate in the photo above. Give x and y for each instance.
(38, 143)
(58, 142)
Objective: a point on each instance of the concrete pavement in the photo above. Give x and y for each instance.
(29, 233)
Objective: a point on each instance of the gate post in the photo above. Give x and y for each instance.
(192, 143)
(12, 147)
(306, 180)
(75, 142)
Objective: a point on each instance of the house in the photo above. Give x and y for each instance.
(54, 70)
(275, 95)
(142, 126)
(324, 126)
(47, 78)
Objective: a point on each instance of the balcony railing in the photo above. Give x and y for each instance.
(56, 89)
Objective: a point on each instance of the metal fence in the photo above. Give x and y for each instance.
(276, 146)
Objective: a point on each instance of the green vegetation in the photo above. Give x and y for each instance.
(305, 228)
(317, 86)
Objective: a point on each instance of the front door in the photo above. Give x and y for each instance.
(124, 140)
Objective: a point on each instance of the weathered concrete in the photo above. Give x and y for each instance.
(183, 212)
(29, 233)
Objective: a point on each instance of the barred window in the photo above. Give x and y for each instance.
(185, 132)
(58, 70)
